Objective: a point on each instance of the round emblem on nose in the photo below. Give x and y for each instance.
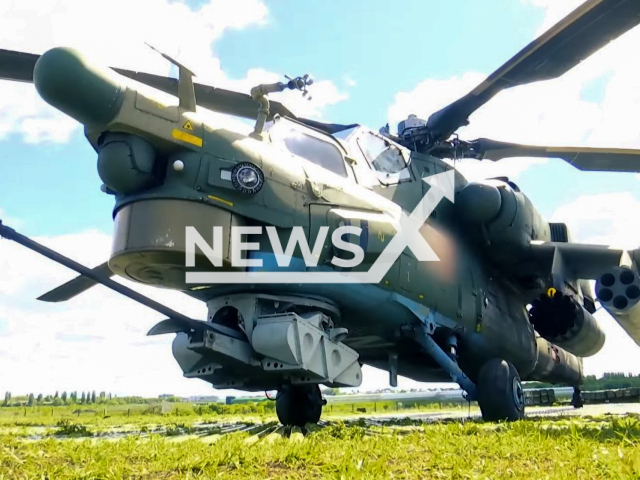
(247, 178)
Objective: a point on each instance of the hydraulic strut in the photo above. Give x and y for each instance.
(445, 360)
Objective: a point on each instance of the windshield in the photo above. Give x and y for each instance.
(323, 152)
(381, 155)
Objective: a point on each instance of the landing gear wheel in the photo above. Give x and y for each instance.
(297, 405)
(500, 393)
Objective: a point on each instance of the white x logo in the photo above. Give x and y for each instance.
(407, 235)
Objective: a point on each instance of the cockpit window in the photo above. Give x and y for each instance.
(381, 155)
(315, 150)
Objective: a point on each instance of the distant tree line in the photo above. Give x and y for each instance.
(57, 399)
(72, 398)
(608, 381)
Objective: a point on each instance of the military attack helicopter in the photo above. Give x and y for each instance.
(475, 286)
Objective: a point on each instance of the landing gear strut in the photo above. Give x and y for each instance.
(500, 393)
(297, 405)
(576, 398)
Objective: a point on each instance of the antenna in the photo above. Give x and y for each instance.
(186, 91)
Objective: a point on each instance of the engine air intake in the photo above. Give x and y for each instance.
(559, 232)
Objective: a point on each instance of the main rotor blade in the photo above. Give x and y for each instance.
(93, 274)
(18, 66)
(583, 158)
(588, 28)
(76, 286)
(98, 275)
(212, 98)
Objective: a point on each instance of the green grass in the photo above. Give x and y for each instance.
(598, 448)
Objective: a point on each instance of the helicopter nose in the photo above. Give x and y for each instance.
(87, 92)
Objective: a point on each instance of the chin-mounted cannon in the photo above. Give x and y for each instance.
(260, 92)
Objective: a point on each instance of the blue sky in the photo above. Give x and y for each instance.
(375, 62)
(385, 47)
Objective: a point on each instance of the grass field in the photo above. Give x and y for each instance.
(596, 447)
(138, 414)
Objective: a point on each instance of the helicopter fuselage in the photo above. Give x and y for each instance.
(171, 169)
(463, 291)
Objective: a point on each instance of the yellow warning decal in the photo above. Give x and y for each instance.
(186, 137)
(187, 125)
(551, 292)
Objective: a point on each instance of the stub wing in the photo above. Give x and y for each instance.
(615, 271)
(576, 261)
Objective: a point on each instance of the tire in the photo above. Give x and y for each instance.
(500, 393)
(297, 405)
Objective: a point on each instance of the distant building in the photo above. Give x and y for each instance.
(204, 399)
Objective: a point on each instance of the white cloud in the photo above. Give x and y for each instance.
(555, 10)
(322, 93)
(118, 39)
(23, 111)
(555, 112)
(604, 219)
(619, 353)
(349, 81)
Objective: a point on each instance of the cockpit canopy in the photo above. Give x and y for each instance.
(356, 153)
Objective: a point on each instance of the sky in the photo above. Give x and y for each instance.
(374, 63)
